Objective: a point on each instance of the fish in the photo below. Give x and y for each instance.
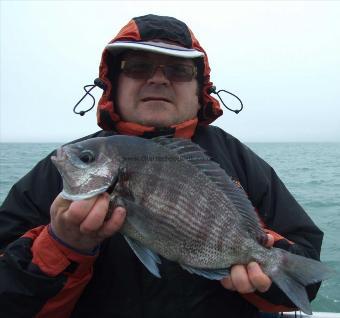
(183, 206)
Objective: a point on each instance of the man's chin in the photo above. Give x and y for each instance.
(159, 121)
(157, 124)
(156, 117)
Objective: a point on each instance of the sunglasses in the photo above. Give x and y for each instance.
(175, 72)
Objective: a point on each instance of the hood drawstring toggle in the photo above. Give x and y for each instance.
(97, 82)
(213, 90)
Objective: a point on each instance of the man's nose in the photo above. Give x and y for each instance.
(158, 76)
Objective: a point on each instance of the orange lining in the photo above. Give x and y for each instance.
(53, 258)
(185, 129)
(265, 305)
(277, 237)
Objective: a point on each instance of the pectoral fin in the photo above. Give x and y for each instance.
(146, 256)
(136, 214)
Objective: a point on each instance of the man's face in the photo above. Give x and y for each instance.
(156, 101)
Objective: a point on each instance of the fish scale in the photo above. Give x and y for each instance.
(193, 223)
(160, 199)
(195, 226)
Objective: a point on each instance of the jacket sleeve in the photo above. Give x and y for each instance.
(283, 217)
(39, 276)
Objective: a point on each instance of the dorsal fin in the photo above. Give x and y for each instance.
(197, 156)
(184, 148)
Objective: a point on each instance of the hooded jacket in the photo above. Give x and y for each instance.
(149, 28)
(41, 277)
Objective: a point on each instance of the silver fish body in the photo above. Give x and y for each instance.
(183, 206)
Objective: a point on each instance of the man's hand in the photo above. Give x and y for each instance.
(248, 278)
(84, 224)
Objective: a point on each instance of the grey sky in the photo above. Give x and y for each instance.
(282, 58)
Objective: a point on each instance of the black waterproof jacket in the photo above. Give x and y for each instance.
(41, 278)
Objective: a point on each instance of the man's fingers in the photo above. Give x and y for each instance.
(114, 223)
(257, 278)
(78, 210)
(270, 240)
(227, 283)
(59, 205)
(240, 280)
(95, 218)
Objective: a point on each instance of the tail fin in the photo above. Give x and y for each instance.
(294, 273)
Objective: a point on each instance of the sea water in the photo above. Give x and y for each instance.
(311, 171)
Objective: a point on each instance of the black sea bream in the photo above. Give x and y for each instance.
(183, 206)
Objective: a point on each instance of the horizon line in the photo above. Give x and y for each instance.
(243, 141)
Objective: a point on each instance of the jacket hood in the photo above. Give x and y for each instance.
(152, 29)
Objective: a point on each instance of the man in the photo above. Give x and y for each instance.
(63, 258)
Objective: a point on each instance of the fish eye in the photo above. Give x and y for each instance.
(87, 156)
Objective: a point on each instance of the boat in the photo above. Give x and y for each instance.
(299, 314)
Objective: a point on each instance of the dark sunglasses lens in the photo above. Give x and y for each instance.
(173, 72)
(138, 70)
(179, 72)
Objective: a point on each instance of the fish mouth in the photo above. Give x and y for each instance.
(79, 197)
(83, 196)
(113, 184)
